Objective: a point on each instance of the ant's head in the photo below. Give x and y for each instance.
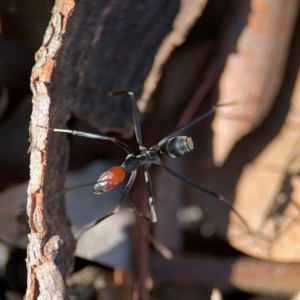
(177, 146)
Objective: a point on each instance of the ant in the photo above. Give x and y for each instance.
(171, 145)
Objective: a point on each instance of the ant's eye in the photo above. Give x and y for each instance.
(109, 180)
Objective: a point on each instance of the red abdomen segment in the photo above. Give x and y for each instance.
(109, 180)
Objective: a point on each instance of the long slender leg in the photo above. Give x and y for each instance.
(136, 125)
(207, 191)
(95, 136)
(118, 206)
(150, 195)
(192, 123)
(138, 213)
(135, 116)
(166, 253)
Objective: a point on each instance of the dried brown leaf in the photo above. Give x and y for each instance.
(275, 235)
(253, 74)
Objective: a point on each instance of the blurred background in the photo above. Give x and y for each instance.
(179, 58)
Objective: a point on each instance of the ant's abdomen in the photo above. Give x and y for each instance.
(109, 180)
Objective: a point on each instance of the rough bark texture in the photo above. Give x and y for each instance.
(49, 253)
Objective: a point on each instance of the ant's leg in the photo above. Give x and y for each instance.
(138, 213)
(117, 208)
(93, 136)
(192, 123)
(153, 218)
(160, 247)
(150, 196)
(136, 125)
(135, 115)
(207, 191)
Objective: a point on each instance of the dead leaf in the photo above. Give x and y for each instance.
(275, 235)
(253, 74)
